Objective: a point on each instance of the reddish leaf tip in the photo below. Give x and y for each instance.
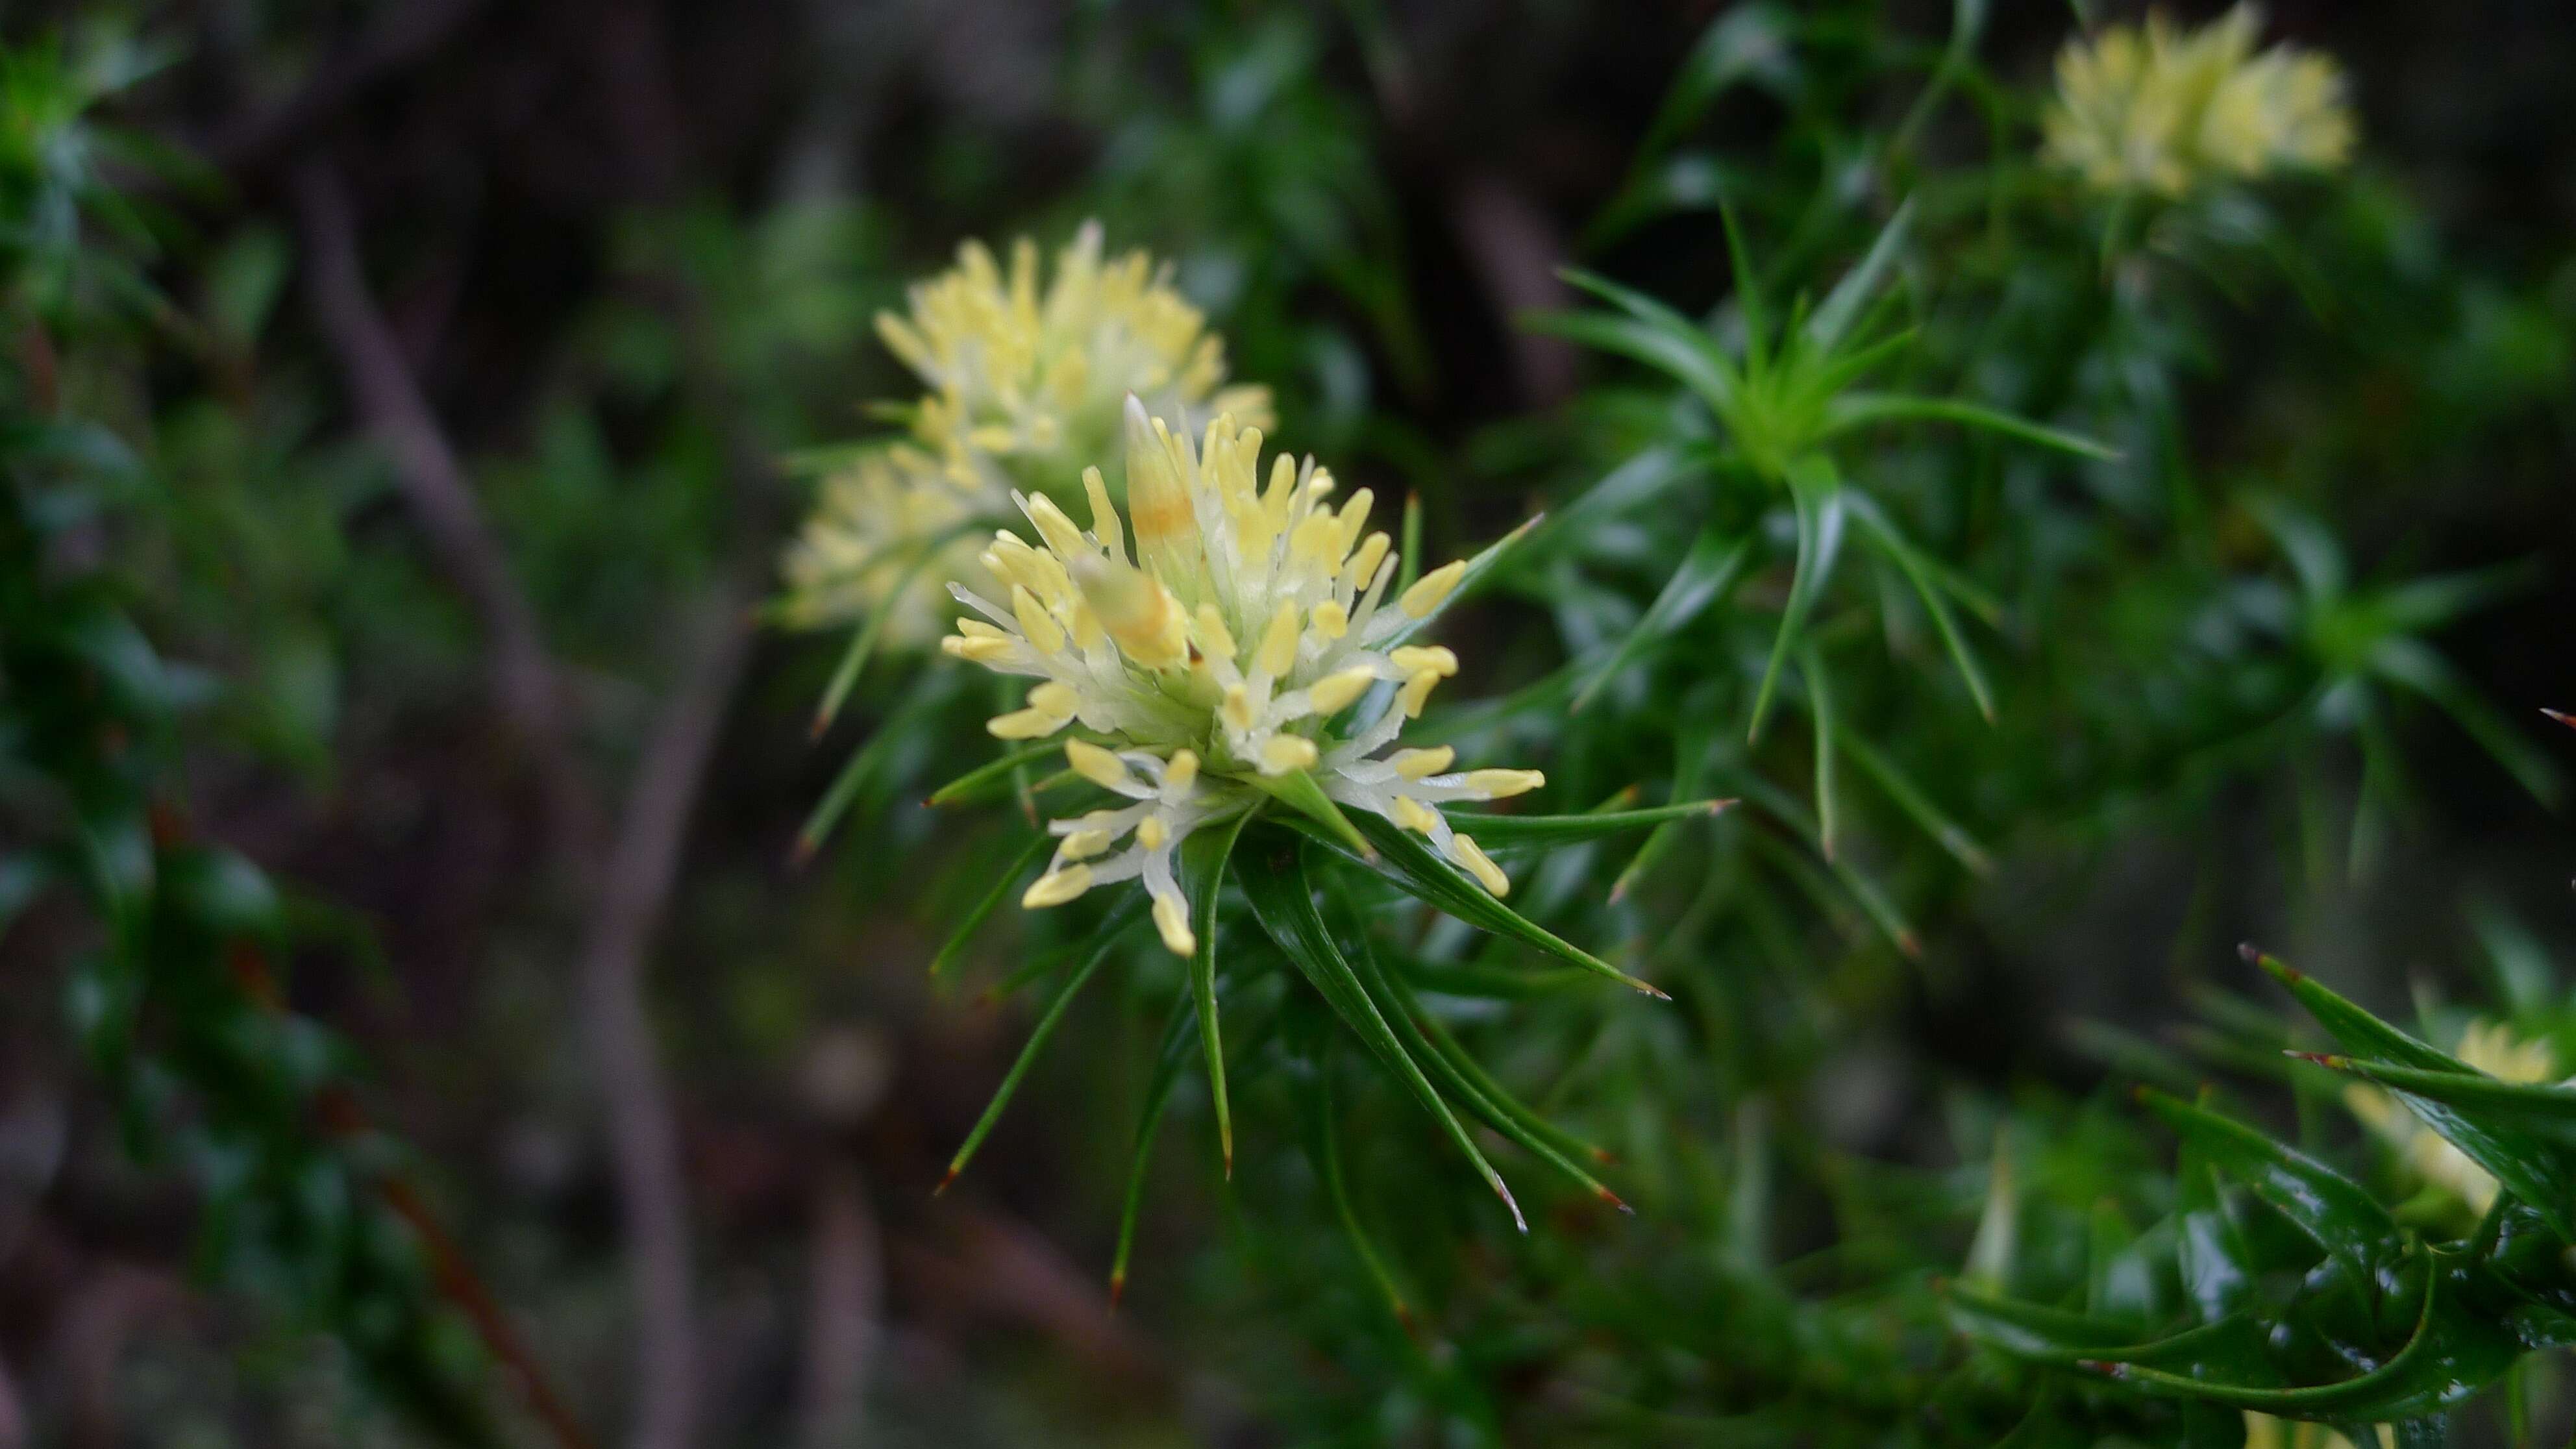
(2249, 953)
(2566, 719)
(950, 1177)
(1117, 1288)
(1612, 1198)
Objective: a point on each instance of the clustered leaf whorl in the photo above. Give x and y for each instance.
(2164, 109)
(1209, 669)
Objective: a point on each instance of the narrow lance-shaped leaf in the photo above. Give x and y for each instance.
(1863, 409)
(1820, 711)
(2415, 666)
(1708, 573)
(1653, 334)
(1204, 857)
(2338, 1213)
(2540, 1171)
(1323, 1139)
(1479, 572)
(1158, 1095)
(1917, 805)
(1482, 1097)
(1843, 304)
(863, 764)
(1815, 495)
(1123, 916)
(1282, 898)
(993, 778)
(1927, 587)
(1497, 833)
(1414, 864)
(1695, 747)
(1748, 293)
(1003, 885)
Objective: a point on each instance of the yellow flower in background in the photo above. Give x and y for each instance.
(2490, 1048)
(1025, 387)
(1025, 382)
(1212, 663)
(885, 536)
(2163, 109)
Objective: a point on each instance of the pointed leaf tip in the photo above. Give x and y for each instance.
(947, 1178)
(2568, 720)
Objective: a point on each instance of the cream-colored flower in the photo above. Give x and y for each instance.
(2163, 109)
(1213, 661)
(2490, 1048)
(1025, 386)
(1025, 383)
(886, 535)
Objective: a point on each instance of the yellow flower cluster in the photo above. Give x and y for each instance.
(2490, 1048)
(1217, 658)
(2164, 109)
(1024, 385)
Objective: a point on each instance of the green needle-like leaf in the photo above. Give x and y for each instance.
(1283, 900)
(2338, 1213)
(1423, 873)
(1203, 858)
(1915, 802)
(1120, 918)
(1499, 833)
(992, 780)
(1481, 1094)
(1901, 551)
(1008, 881)
(1479, 573)
(1863, 409)
(1820, 711)
(2514, 1133)
(1844, 303)
(1708, 573)
(1323, 1143)
(1158, 1095)
(1816, 496)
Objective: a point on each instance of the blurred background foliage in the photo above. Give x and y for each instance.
(415, 379)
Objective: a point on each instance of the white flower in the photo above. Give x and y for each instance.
(1215, 661)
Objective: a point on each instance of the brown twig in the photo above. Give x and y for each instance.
(635, 884)
(841, 1319)
(632, 896)
(434, 490)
